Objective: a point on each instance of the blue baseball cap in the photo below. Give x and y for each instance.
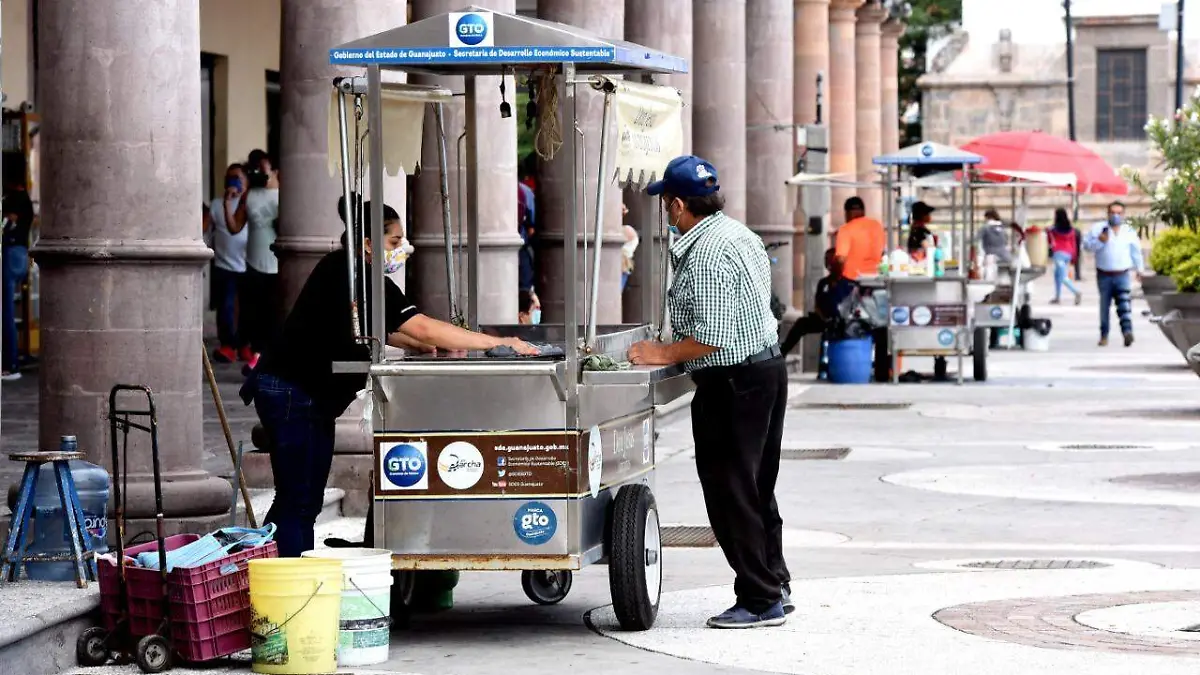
(686, 176)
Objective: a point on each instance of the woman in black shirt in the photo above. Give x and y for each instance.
(298, 397)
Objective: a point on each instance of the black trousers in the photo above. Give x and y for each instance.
(737, 423)
(260, 299)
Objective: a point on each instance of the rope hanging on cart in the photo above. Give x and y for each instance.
(549, 136)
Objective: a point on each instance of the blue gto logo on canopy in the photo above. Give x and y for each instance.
(471, 29)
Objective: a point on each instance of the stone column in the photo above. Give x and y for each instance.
(121, 253)
(889, 74)
(719, 82)
(770, 137)
(309, 226)
(810, 60)
(605, 18)
(499, 239)
(668, 28)
(841, 99)
(867, 110)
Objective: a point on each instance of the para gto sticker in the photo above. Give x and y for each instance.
(535, 523)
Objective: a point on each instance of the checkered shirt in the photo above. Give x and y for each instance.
(721, 294)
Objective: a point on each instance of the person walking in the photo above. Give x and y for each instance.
(1118, 254)
(257, 210)
(229, 265)
(1063, 253)
(727, 338)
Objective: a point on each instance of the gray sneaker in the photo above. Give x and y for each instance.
(740, 617)
(788, 605)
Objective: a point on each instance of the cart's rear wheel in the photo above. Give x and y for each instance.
(979, 353)
(91, 649)
(546, 587)
(154, 654)
(635, 562)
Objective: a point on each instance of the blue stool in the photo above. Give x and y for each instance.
(18, 527)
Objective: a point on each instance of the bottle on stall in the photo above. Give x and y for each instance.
(50, 524)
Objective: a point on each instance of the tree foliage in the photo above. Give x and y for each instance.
(927, 20)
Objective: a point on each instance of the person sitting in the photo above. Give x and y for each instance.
(919, 232)
(861, 242)
(529, 308)
(832, 290)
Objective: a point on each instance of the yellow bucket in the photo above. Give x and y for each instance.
(295, 604)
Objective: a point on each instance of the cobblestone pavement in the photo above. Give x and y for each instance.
(1077, 454)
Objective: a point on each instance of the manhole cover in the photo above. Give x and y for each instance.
(852, 406)
(814, 453)
(1036, 565)
(688, 536)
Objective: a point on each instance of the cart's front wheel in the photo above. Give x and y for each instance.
(635, 564)
(546, 587)
(154, 654)
(979, 352)
(91, 649)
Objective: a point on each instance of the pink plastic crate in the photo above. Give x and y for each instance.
(144, 587)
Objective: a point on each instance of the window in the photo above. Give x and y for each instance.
(207, 121)
(1120, 94)
(274, 106)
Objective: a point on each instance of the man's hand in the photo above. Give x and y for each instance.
(1140, 276)
(650, 353)
(520, 346)
(1104, 236)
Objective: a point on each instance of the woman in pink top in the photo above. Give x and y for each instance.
(1064, 249)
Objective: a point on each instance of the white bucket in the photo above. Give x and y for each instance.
(364, 631)
(1035, 341)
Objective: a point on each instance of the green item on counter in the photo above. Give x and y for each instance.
(602, 362)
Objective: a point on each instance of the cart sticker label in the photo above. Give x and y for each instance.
(535, 523)
(900, 316)
(460, 465)
(471, 29)
(945, 337)
(647, 442)
(595, 460)
(949, 315)
(404, 466)
(996, 312)
(922, 315)
(504, 55)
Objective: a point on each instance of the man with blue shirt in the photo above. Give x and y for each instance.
(1118, 254)
(728, 340)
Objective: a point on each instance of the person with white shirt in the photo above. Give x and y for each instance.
(258, 213)
(1118, 254)
(229, 268)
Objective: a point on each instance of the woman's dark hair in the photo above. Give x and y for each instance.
(701, 207)
(389, 216)
(1062, 221)
(991, 214)
(524, 301)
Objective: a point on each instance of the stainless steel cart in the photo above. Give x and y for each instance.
(519, 463)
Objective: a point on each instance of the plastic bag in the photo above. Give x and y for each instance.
(211, 547)
(365, 424)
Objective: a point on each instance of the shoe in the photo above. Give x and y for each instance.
(225, 355)
(10, 377)
(1078, 299)
(740, 617)
(1128, 339)
(1103, 342)
(788, 605)
(1055, 301)
(245, 355)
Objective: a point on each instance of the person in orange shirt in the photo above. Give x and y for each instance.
(861, 242)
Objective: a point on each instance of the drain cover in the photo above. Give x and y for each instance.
(852, 406)
(814, 453)
(1036, 565)
(688, 536)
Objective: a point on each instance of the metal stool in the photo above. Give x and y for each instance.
(18, 527)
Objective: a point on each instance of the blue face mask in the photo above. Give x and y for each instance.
(1114, 220)
(673, 230)
(535, 316)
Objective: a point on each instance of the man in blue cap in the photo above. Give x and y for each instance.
(727, 338)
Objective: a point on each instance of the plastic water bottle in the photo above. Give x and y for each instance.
(50, 524)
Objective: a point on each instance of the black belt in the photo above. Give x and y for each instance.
(772, 352)
(1111, 273)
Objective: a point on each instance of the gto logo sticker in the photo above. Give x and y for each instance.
(535, 523)
(403, 466)
(471, 29)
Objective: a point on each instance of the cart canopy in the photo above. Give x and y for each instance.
(928, 154)
(477, 41)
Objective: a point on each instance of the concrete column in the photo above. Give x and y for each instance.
(841, 99)
(668, 28)
(770, 137)
(309, 226)
(719, 84)
(889, 76)
(810, 60)
(497, 204)
(607, 19)
(867, 111)
(121, 253)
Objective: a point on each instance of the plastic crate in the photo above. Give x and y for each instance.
(210, 605)
(144, 590)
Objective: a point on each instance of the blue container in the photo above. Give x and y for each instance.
(850, 360)
(50, 526)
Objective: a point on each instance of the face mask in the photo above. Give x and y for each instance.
(393, 261)
(673, 228)
(535, 316)
(1114, 220)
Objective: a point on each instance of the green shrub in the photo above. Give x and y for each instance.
(1173, 247)
(1187, 275)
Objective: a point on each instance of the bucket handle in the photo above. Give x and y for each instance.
(264, 636)
(382, 614)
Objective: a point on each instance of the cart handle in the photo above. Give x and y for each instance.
(555, 371)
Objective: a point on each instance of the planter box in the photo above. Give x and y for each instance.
(1180, 320)
(1157, 285)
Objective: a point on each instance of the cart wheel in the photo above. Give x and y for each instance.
(91, 649)
(153, 654)
(940, 369)
(546, 587)
(979, 353)
(635, 564)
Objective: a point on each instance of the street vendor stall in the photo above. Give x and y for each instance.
(540, 464)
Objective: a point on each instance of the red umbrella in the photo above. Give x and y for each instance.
(1037, 151)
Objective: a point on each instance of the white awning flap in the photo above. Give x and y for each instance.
(403, 126)
(649, 128)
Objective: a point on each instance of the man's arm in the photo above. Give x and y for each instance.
(236, 220)
(1091, 240)
(1135, 251)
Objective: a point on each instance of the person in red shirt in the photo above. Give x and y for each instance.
(1064, 251)
(860, 243)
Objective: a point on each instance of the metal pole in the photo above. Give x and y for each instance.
(571, 249)
(1179, 63)
(668, 239)
(598, 227)
(472, 127)
(820, 95)
(375, 167)
(351, 245)
(1070, 71)
(444, 186)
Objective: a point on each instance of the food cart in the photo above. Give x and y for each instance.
(531, 464)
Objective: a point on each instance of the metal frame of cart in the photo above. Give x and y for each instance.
(530, 464)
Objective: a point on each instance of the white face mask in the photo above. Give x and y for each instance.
(393, 260)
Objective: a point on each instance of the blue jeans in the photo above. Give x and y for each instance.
(301, 439)
(226, 286)
(16, 266)
(1115, 289)
(1062, 261)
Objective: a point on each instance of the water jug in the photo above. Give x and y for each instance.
(50, 527)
